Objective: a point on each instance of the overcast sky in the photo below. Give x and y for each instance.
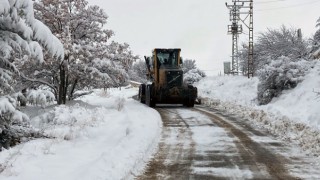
(199, 27)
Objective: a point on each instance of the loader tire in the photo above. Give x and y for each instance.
(190, 99)
(150, 101)
(142, 93)
(189, 102)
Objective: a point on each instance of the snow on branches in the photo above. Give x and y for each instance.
(21, 34)
(315, 52)
(22, 31)
(81, 28)
(40, 97)
(191, 73)
(138, 72)
(280, 61)
(281, 74)
(21, 37)
(273, 44)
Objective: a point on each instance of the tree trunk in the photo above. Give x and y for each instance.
(72, 89)
(66, 88)
(23, 102)
(62, 84)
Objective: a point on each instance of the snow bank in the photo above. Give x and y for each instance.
(236, 89)
(294, 116)
(92, 138)
(302, 103)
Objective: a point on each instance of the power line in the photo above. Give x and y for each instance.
(286, 7)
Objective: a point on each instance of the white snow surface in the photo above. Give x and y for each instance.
(105, 135)
(295, 115)
(301, 104)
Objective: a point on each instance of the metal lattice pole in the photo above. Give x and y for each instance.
(250, 53)
(235, 59)
(235, 29)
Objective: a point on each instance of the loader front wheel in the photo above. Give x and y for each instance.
(142, 93)
(189, 102)
(150, 101)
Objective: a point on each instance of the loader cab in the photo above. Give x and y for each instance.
(167, 57)
(167, 69)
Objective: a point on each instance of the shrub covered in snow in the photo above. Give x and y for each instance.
(281, 74)
(40, 97)
(272, 44)
(191, 73)
(139, 72)
(9, 115)
(194, 75)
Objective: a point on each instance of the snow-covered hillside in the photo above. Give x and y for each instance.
(295, 115)
(100, 135)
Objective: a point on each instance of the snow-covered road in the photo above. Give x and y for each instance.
(203, 143)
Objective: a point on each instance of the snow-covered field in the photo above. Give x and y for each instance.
(294, 116)
(105, 135)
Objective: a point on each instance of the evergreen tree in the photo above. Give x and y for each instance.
(22, 38)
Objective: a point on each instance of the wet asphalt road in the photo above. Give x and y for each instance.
(202, 143)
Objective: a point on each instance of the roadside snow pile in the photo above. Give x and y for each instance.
(234, 89)
(302, 104)
(100, 136)
(293, 116)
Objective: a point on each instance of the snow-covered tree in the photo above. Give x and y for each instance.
(21, 34)
(82, 30)
(121, 53)
(272, 44)
(279, 61)
(22, 38)
(40, 97)
(317, 34)
(139, 72)
(315, 52)
(191, 73)
(281, 74)
(188, 65)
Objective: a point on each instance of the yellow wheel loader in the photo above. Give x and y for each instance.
(166, 80)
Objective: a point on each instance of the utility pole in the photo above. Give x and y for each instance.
(250, 53)
(235, 29)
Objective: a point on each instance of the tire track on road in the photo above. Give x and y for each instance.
(173, 160)
(253, 154)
